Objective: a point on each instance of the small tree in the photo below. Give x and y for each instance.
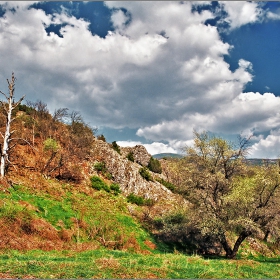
(8, 107)
(224, 196)
(130, 156)
(116, 147)
(154, 165)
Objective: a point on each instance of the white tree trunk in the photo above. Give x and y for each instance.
(5, 154)
(8, 108)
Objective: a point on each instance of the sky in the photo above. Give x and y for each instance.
(151, 72)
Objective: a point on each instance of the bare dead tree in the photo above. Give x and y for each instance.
(8, 107)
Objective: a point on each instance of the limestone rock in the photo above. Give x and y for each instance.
(126, 173)
(140, 154)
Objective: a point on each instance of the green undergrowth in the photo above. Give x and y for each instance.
(119, 264)
(101, 217)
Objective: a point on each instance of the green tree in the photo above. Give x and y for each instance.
(130, 156)
(144, 172)
(116, 147)
(154, 165)
(224, 197)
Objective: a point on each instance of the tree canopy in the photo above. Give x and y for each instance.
(227, 195)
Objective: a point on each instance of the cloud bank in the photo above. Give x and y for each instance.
(162, 70)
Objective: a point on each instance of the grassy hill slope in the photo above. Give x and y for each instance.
(55, 222)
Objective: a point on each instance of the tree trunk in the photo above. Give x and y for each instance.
(225, 245)
(242, 236)
(8, 112)
(4, 154)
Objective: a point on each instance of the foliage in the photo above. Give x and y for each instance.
(98, 184)
(154, 165)
(101, 167)
(222, 200)
(139, 200)
(144, 172)
(167, 184)
(51, 145)
(130, 156)
(101, 137)
(115, 189)
(116, 147)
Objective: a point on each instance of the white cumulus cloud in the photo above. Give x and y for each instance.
(161, 71)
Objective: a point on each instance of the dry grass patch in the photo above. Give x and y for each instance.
(107, 263)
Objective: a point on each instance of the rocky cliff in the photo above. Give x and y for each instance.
(126, 173)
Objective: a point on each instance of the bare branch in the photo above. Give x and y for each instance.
(27, 142)
(4, 94)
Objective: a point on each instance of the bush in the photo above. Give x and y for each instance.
(168, 185)
(98, 184)
(115, 189)
(51, 145)
(116, 147)
(139, 200)
(154, 165)
(130, 156)
(144, 172)
(101, 137)
(101, 167)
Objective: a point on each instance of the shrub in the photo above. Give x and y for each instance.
(168, 185)
(132, 198)
(101, 167)
(139, 200)
(130, 156)
(154, 165)
(51, 145)
(101, 137)
(144, 172)
(98, 184)
(116, 147)
(115, 189)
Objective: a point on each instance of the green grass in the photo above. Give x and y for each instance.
(107, 216)
(102, 217)
(119, 264)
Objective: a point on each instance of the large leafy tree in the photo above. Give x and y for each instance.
(227, 195)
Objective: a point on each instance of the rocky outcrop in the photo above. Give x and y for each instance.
(140, 154)
(126, 173)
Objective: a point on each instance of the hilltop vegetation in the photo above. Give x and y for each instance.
(67, 195)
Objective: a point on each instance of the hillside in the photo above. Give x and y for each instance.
(67, 192)
(48, 197)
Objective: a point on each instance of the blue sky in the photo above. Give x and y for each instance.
(151, 72)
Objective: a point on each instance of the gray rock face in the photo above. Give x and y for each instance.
(140, 154)
(126, 173)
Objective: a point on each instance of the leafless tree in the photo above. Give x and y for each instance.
(8, 108)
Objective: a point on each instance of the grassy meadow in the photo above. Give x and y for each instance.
(55, 230)
(119, 264)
